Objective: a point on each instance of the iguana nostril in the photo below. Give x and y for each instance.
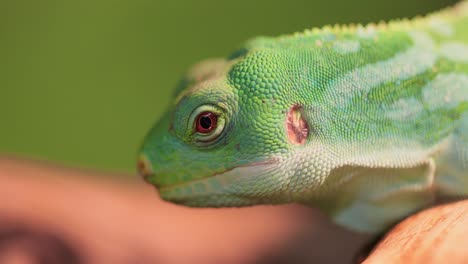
(144, 167)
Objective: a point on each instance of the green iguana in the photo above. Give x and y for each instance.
(367, 123)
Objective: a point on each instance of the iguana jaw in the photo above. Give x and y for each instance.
(234, 187)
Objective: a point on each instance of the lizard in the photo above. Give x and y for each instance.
(367, 123)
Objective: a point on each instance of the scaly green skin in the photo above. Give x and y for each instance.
(387, 113)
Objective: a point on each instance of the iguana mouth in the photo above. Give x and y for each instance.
(261, 165)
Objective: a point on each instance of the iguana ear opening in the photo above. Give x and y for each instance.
(296, 126)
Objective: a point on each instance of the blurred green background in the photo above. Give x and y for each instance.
(82, 81)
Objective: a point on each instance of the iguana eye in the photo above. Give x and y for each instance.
(206, 122)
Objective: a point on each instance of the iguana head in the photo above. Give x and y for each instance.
(270, 123)
(226, 138)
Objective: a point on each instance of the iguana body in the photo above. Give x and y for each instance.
(369, 124)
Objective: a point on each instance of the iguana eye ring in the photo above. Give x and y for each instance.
(206, 122)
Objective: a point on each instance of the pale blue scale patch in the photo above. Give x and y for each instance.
(462, 153)
(463, 138)
(453, 163)
(447, 90)
(368, 32)
(415, 60)
(455, 51)
(328, 36)
(404, 109)
(346, 46)
(441, 27)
